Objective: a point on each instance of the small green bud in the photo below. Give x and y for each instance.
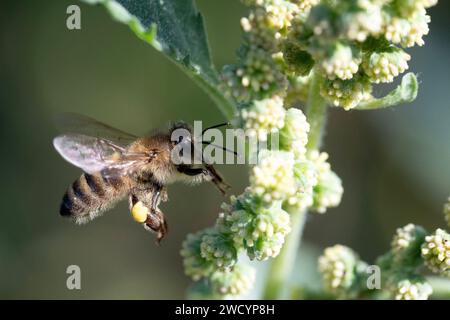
(298, 61)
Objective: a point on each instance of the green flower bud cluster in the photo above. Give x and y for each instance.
(224, 284)
(263, 117)
(341, 271)
(195, 265)
(384, 66)
(211, 260)
(256, 222)
(412, 248)
(347, 93)
(412, 289)
(353, 44)
(328, 190)
(298, 179)
(406, 244)
(273, 179)
(256, 76)
(235, 283)
(402, 265)
(258, 229)
(436, 252)
(268, 22)
(259, 72)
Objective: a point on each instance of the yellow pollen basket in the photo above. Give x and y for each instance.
(140, 212)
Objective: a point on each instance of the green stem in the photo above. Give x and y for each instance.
(316, 113)
(441, 287)
(281, 268)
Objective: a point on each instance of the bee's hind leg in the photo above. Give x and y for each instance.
(156, 222)
(148, 214)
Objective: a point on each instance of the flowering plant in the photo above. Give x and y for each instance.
(295, 53)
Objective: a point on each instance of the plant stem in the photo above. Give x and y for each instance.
(441, 287)
(316, 113)
(281, 268)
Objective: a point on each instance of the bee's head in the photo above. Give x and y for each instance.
(182, 143)
(180, 133)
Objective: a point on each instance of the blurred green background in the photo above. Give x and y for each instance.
(394, 163)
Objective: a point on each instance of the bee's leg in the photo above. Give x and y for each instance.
(156, 197)
(208, 173)
(152, 219)
(217, 179)
(156, 222)
(156, 218)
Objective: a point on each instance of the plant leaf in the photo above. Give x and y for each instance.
(405, 92)
(175, 28)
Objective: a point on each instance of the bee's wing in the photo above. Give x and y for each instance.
(79, 124)
(93, 154)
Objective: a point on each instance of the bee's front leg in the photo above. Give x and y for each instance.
(208, 174)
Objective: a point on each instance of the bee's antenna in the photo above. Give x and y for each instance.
(223, 148)
(215, 126)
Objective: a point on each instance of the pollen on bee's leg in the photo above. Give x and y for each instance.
(140, 212)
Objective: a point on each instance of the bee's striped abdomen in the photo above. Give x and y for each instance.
(91, 194)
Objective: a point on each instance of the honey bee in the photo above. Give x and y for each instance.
(119, 165)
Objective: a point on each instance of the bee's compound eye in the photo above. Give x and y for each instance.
(140, 212)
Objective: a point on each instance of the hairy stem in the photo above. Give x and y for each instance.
(279, 276)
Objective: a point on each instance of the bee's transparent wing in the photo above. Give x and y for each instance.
(79, 124)
(93, 154)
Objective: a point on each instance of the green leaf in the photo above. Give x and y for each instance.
(175, 28)
(404, 93)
